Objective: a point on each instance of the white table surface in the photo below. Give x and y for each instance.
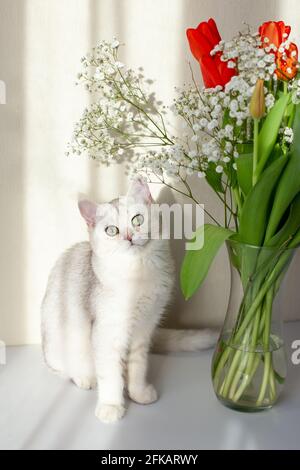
(39, 410)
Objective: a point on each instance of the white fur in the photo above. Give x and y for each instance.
(103, 301)
(169, 340)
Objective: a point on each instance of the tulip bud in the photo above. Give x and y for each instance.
(257, 103)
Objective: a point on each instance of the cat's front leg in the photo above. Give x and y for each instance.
(110, 346)
(139, 389)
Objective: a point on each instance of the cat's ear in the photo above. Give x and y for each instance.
(139, 191)
(88, 210)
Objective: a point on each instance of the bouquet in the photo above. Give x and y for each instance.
(241, 132)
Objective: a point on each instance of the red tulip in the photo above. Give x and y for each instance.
(287, 63)
(202, 40)
(277, 33)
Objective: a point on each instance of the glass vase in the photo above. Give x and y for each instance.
(249, 364)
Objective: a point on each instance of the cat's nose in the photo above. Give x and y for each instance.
(129, 237)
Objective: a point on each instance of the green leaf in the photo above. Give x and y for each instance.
(269, 131)
(231, 176)
(291, 115)
(275, 154)
(289, 184)
(290, 111)
(291, 225)
(214, 179)
(244, 172)
(279, 378)
(296, 130)
(196, 263)
(245, 147)
(226, 118)
(296, 240)
(253, 219)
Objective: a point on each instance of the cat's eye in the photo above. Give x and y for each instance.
(112, 230)
(137, 220)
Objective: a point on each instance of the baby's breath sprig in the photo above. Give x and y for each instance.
(126, 122)
(124, 116)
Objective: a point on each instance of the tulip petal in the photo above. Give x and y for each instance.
(211, 75)
(281, 31)
(214, 29)
(198, 43)
(286, 64)
(225, 72)
(270, 30)
(209, 34)
(287, 30)
(202, 40)
(194, 42)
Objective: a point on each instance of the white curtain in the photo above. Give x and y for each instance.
(41, 43)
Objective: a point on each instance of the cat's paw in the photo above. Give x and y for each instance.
(143, 396)
(86, 383)
(109, 413)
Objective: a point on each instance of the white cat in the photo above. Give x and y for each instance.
(104, 300)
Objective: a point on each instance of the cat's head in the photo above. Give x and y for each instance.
(122, 224)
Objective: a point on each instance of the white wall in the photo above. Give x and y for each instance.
(41, 42)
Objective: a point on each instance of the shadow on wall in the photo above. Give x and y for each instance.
(98, 13)
(208, 305)
(195, 312)
(182, 314)
(13, 197)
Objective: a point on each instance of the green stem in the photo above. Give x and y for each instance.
(264, 383)
(238, 200)
(188, 194)
(221, 364)
(266, 343)
(234, 365)
(255, 150)
(255, 322)
(229, 377)
(238, 375)
(247, 379)
(272, 383)
(251, 362)
(285, 117)
(225, 203)
(261, 293)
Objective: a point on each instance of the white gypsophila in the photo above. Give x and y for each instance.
(125, 118)
(223, 114)
(124, 115)
(203, 111)
(269, 101)
(250, 59)
(239, 91)
(288, 135)
(172, 161)
(294, 88)
(127, 122)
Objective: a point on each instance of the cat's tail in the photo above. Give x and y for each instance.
(171, 340)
